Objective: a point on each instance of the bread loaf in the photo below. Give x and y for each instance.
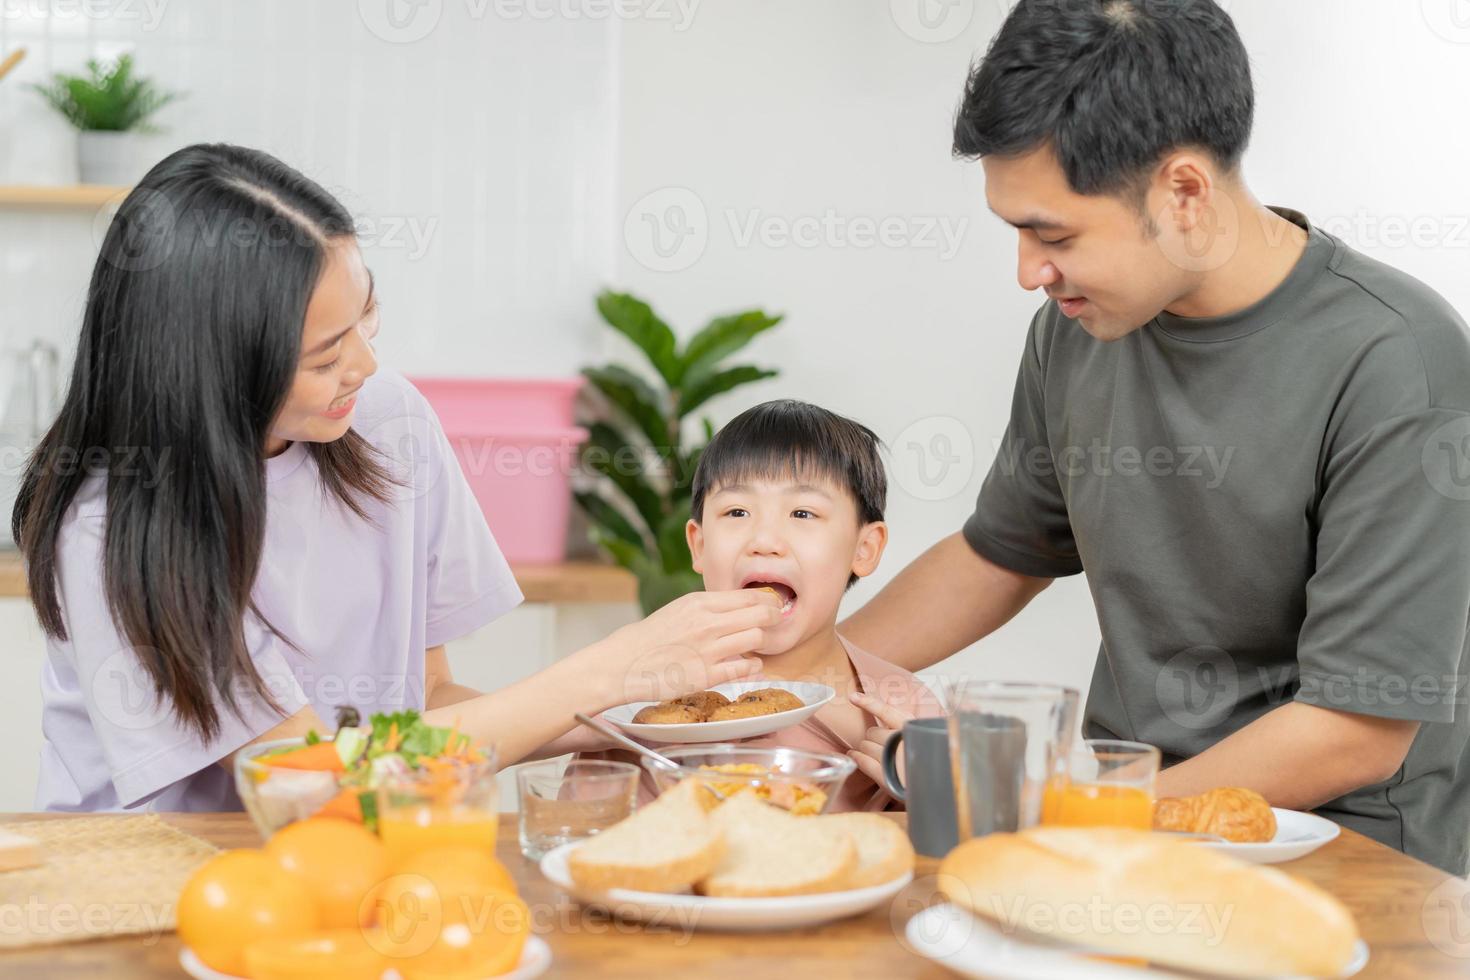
(1136, 893)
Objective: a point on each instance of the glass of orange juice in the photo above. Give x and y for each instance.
(1107, 783)
(446, 802)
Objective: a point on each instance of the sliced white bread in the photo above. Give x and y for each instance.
(665, 846)
(768, 852)
(18, 852)
(884, 851)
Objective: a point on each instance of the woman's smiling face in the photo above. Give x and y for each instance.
(336, 352)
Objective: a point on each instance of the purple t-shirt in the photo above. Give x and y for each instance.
(361, 600)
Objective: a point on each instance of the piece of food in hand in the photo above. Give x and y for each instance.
(768, 852)
(1239, 815)
(884, 851)
(665, 846)
(1134, 893)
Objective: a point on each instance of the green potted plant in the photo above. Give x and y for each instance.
(110, 108)
(637, 444)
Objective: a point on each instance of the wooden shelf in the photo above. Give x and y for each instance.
(67, 196)
(566, 583)
(576, 582)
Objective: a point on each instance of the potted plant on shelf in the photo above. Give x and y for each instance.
(110, 108)
(637, 444)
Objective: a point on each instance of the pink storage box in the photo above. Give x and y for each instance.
(517, 446)
(478, 405)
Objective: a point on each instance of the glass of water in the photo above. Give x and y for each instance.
(1007, 743)
(568, 800)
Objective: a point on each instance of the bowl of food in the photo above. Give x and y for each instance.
(803, 783)
(346, 773)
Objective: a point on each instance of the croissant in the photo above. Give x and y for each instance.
(1239, 815)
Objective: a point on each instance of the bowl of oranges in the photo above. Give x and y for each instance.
(326, 897)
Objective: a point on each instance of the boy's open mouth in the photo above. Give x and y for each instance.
(784, 592)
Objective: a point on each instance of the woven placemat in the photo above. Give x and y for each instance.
(113, 875)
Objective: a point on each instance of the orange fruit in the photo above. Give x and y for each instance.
(432, 889)
(236, 898)
(340, 863)
(342, 954)
(459, 867)
(487, 944)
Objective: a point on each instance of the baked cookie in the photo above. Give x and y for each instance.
(668, 713)
(753, 704)
(782, 699)
(703, 701)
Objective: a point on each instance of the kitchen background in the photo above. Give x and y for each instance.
(510, 158)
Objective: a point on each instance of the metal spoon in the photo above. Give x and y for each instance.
(638, 747)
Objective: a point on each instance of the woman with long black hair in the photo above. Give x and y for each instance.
(238, 523)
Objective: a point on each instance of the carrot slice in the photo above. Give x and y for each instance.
(321, 756)
(343, 806)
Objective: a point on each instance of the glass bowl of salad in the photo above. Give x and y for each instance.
(347, 774)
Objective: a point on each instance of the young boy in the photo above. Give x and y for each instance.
(790, 496)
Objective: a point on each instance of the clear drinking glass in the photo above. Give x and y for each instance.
(1007, 742)
(453, 804)
(570, 800)
(1108, 783)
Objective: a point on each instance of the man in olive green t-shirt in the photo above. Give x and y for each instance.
(1252, 440)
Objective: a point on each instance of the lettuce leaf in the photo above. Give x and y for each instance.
(416, 738)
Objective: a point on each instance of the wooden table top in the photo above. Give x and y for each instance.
(1416, 921)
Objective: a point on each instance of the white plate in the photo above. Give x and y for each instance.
(973, 947)
(689, 912)
(535, 960)
(1297, 834)
(813, 696)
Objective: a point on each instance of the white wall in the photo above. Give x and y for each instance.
(789, 111)
(476, 156)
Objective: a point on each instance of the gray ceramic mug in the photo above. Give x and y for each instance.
(929, 794)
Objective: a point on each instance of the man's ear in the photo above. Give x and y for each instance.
(1188, 182)
(872, 539)
(694, 535)
(1196, 222)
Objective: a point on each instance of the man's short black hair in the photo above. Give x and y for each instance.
(1112, 86)
(788, 438)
